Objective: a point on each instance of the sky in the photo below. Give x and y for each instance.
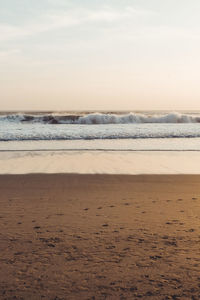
(99, 55)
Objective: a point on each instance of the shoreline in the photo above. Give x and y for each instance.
(75, 236)
(82, 175)
(100, 162)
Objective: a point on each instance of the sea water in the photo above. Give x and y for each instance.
(105, 131)
(105, 142)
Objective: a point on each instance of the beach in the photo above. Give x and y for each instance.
(75, 236)
(99, 150)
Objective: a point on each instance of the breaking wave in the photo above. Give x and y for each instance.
(100, 118)
(132, 118)
(19, 132)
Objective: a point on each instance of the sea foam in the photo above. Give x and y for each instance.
(100, 118)
(133, 118)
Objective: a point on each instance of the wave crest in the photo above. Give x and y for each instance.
(101, 118)
(131, 118)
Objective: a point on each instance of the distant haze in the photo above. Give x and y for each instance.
(99, 55)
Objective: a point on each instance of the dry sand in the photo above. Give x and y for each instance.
(99, 237)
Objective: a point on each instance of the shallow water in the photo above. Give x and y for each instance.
(122, 143)
(100, 162)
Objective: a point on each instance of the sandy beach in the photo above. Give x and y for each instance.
(99, 236)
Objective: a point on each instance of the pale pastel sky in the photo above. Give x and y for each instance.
(98, 54)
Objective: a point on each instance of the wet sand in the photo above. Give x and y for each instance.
(99, 237)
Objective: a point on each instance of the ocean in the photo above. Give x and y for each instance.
(147, 142)
(143, 131)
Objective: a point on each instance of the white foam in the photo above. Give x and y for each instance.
(133, 118)
(12, 132)
(101, 118)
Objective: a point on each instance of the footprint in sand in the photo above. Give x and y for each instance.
(165, 237)
(126, 249)
(18, 253)
(51, 245)
(155, 257)
(170, 243)
(110, 247)
(36, 227)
